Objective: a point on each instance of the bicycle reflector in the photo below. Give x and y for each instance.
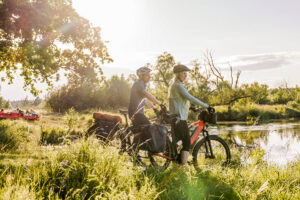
(210, 117)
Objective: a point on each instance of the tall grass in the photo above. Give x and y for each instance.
(88, 169)
(83, 170)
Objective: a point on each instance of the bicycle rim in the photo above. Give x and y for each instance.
(161, 161)
(219, 156)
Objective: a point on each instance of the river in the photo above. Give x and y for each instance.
(280, 140)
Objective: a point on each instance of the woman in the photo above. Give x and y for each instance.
(179, 103)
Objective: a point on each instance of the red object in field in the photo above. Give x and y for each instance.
(17, 116)
(98, 115)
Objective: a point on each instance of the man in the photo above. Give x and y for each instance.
(179, 104)
(139, 97)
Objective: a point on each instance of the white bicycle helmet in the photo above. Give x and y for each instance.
(143, 70)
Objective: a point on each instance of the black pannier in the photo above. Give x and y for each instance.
(152, 138)
(210, 117)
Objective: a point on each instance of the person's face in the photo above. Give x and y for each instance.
(146, 77)
(182, 76)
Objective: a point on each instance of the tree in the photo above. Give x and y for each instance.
(117, 92)
(4, 103)
(200, 79)
(227, 92)
(35, 34)
(163, 74)
(37, 101)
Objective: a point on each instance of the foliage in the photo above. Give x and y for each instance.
(12, 135)
(52, 136)
(163, 74)
(89, 169)
(26, 103)
(200, 79)
(4, 103)
(72, 119)
(112, 93)
(32, 34)
(282, 95)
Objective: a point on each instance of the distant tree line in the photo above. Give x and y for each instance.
(112, 93)
(85, 90)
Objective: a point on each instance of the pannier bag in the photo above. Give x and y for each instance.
(210, 117)
(105, 126)
(153, 138)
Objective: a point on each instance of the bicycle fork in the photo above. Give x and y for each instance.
(208, 149)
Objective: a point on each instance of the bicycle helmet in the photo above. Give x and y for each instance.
(180, 68)
(143, 70)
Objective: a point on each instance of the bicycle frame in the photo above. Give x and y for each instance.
(200, 127)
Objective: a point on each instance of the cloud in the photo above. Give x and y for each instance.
(264, 61)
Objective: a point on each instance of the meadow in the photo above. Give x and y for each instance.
(49, 159)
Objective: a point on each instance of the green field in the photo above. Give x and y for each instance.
(48, 159)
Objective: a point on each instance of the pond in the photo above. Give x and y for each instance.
(280, 140)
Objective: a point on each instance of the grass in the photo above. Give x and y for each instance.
(88, 169)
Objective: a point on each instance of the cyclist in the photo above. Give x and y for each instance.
(179, 103)
(139, 97)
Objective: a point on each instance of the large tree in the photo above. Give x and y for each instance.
(40, 37)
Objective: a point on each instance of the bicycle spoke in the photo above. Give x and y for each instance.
(217, 155)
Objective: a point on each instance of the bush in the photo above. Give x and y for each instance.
(12, 135)
(52, 136)
(114, 93)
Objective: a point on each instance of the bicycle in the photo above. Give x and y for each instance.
(209, 150)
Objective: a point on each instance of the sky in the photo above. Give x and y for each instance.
(258, 37)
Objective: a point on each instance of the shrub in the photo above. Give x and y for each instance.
(52, 136)
(12, 135)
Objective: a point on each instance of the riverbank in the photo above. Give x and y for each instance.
(263, 113)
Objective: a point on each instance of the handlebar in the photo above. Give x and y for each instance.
(197, 109)
(163, 115)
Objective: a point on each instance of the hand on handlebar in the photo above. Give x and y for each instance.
(211, 109)
(163, 107)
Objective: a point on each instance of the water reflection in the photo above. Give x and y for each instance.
(281, 140)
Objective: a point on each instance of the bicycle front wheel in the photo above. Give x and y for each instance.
(211, 151)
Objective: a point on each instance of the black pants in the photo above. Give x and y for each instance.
(181, 130)
(138, 120)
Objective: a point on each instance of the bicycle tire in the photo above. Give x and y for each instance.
(159, 162)
(221, 152)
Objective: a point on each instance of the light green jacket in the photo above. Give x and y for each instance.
(179, 100)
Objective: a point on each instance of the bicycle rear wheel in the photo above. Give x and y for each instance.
(161, 161)
(217, 155)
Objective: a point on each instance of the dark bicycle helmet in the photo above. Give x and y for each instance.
(180, 68)
(143, 70)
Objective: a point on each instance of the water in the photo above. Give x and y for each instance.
(281, 140)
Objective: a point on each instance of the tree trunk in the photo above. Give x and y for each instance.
(229, 112)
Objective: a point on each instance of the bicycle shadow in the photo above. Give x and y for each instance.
(184, 183)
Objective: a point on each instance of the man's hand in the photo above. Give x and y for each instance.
(163, 107)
